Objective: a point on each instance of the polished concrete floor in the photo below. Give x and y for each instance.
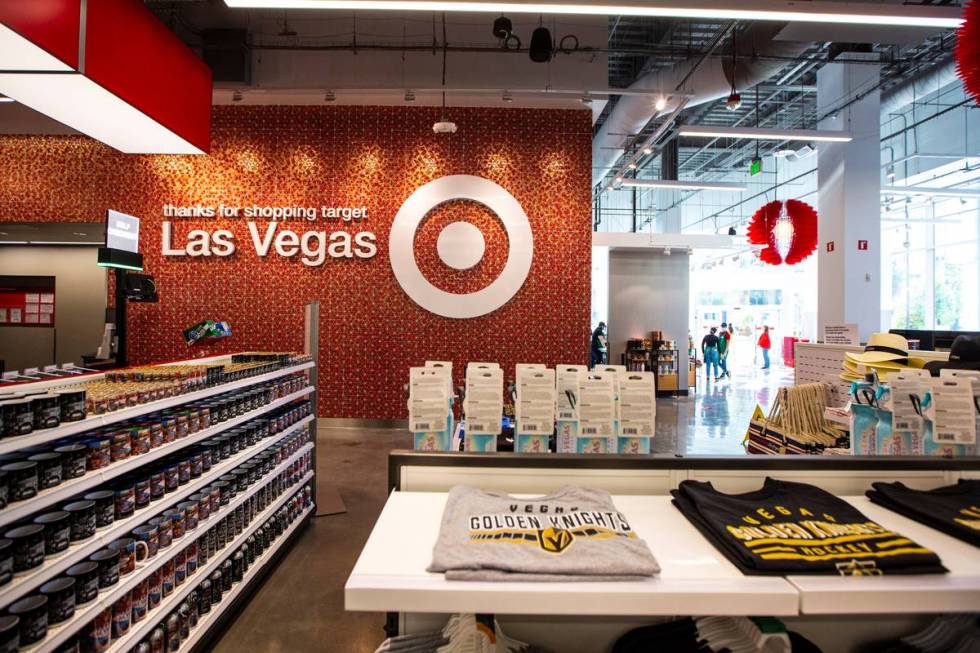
(301, 607)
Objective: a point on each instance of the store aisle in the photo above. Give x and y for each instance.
(301, 607)
(713, 421)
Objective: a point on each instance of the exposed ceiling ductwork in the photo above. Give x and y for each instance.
(760, 57)
(914, 89)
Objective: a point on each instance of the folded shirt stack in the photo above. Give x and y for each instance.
(954, 509)
(795, 528)
(574, 534)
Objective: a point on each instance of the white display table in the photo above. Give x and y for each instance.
(695, 579)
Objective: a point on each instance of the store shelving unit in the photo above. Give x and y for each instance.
(28, 582)
(663, 362)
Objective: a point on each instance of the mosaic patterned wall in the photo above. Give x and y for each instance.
(371, 332)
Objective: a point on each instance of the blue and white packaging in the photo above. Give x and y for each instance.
(428, 419)
(484, 406)
(568, 381)
(637, 412)
(597, 413)
(534, 410)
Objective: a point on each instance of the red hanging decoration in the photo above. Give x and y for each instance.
(762, 231)
(968, 50)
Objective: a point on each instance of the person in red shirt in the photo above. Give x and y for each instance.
(764, 344)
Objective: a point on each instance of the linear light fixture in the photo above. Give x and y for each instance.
(930, 192)
(4, 98)
(765, 133)
(80, 103)
(683, 185)
(851, 13)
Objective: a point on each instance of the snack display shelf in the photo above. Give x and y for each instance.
(143, 628)
(58, 634)
(72, 487)
(24, 582)
(227, 601)
(95, 421)
(957, 591)
(390, 574)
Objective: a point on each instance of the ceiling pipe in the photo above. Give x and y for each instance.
(711, 81)
(918, 86)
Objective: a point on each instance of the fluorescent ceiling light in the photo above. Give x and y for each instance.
(80, 103)
(765, 133)
(6, 99)
(18, 53)
(850, 13)
(930, 192)
(683, 185)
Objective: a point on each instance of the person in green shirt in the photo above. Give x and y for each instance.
(724, 345)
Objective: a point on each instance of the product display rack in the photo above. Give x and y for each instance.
(138, 631)
(28, 582)
(663, 362)
(695, 579)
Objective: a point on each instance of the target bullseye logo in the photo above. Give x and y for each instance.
(461, 246)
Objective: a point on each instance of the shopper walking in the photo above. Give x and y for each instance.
(724, 342)
(764, 344)
(599, 345)
(709, 349)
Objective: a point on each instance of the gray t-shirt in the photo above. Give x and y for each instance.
(574, 534)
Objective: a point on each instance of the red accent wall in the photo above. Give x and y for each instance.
(371, 332)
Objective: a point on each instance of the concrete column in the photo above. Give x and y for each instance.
(848, 201)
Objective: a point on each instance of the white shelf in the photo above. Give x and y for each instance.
(57, 635)
(390, 574)
(95, 421)
(75, 486)
(957, 591)
(55, 565)
(140, 630)
(205, 622)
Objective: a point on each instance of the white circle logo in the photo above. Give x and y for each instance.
(460, 246)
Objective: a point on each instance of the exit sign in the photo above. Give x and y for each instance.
(755, 167)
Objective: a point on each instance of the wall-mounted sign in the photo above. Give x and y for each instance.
(460, 245)
(122, 231)
(862, 245)
(842, 334)
(830, 246)
(466, 247)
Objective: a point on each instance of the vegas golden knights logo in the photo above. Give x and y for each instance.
(555, 540)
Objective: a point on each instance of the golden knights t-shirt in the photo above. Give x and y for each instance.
(954, 509)
(574, 534)
(795, 528)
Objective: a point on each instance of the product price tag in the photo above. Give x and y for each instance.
(638, 405)
(956, 421)
(535, 407)
(597, 406)
(484, 404)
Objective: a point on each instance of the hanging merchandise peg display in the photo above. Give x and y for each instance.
(534, 410)
(483, 406)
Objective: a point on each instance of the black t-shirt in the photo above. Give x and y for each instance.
(795, 528)
(710, 340)
(954, 509)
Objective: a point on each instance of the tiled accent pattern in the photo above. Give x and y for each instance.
(342, 156)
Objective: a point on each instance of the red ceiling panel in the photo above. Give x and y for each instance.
(129, 52)
(49, 24)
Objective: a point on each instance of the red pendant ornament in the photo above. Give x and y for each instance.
(968, 50)
(797, 230)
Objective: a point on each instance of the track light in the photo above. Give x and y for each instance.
(541, 45)
(732, 232)
(648, 150)
(329, 96)
(502, 27)
(4, 98)
(660, 104)
(631, 165)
